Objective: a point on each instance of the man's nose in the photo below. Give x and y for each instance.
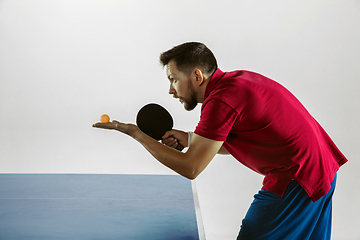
(172, 89)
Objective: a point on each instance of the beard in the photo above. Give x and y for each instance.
(191, 102)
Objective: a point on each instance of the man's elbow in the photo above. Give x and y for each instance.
(191, 177)
(192, 174)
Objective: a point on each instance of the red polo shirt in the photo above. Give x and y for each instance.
(268, 130)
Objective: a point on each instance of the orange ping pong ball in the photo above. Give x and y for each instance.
(104, 118)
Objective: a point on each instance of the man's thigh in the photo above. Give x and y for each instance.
(292, 216)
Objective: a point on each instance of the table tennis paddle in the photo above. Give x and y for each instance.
(154, 120)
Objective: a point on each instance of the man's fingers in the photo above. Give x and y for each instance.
(168, 134)
(104, 125)
(175, 137)
(115, 123)
(126, 128)
(168, 141)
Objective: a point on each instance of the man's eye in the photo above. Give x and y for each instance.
(174, 80)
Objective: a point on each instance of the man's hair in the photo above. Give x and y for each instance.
(190, 55)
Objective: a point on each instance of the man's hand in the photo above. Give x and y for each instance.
(126, 128)
(173, 137)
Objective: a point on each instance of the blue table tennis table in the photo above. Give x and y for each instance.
(98, 206)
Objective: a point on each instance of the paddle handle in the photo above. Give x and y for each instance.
(179, 147)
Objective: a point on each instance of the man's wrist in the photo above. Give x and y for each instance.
(190, 134)
(136, 133)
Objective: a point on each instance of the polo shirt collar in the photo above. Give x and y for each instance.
(217, 75)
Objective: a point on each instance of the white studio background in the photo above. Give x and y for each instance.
(65, 63)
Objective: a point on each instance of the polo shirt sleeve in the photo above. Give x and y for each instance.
(216, 120)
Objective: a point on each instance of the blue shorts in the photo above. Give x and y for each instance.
(293, 216)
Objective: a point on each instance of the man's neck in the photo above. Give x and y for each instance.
(202, 89)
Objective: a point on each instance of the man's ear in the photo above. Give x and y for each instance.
(199, 75)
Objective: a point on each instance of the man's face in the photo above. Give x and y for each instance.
(181, 86)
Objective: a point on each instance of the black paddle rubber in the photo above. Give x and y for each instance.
(154, 120)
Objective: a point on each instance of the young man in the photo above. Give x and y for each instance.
(264, 127)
